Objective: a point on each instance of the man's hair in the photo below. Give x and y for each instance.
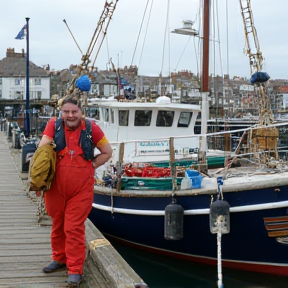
(73, 99)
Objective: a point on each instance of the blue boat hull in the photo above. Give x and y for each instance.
(246, 247)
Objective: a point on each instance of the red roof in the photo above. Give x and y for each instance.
(283, 89)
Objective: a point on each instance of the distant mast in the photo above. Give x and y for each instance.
(188, 30)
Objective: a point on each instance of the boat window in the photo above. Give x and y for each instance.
(123, 117)
(106, 115)
(165, 118)
(143, 117)
(93, 112)
(112, 116)
(184, 119)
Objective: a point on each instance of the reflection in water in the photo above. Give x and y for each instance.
(165, 272)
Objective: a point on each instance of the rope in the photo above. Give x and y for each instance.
(107, 46)
(219, 262)
(183, 52)
(73, 36)
(139, 33)
(145, 34)
(164, 41)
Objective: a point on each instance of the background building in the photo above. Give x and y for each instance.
(13, 78)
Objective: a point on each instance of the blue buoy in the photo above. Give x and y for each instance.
(83, 83)
(259, 77)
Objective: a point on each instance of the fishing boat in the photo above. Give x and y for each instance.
(158, 196)
(131, 120)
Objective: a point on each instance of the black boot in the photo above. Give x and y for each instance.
(53, 266)
(74, 280)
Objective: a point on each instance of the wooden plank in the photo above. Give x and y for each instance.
(24, 230)
(28, 251)
(115, 270)
(31, 241)
(276, 219)
(24, 246)
(278, 233)
(276, 226)
(23, 259)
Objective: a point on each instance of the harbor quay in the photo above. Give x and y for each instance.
(25, 238)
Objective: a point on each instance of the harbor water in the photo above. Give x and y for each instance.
(160, 271)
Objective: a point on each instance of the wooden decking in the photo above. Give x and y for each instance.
(25, 245)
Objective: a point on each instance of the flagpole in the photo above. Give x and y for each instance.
(27, 120)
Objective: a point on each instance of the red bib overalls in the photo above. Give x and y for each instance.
(69, 202)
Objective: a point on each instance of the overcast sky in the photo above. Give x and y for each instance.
(51, 42)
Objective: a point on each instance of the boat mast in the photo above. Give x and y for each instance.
(97, 39)
(255, 61)
(205, 60)
(205, 80)
(264, 138)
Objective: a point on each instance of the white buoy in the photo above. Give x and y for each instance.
(219, 223)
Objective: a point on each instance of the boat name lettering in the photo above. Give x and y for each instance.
(154, 143)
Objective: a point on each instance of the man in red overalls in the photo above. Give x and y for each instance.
(70, 198)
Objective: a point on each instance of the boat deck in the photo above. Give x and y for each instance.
(25, 245)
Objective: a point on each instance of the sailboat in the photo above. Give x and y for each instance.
(176, 209)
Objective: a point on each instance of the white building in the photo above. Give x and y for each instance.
(13, 78)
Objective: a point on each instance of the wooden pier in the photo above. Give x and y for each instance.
(25, 244)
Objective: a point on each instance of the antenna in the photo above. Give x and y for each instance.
(72, 36)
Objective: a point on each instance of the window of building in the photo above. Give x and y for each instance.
(17, 81)
(184, 119)
(142, 117)
(0, 81)
(39, 95)
(123, 117)
(19, 95)
(165, 118)
(0, 93)
(37, 81)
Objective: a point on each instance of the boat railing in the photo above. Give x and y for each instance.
(170, 157)
(184, 151)
(215, 140)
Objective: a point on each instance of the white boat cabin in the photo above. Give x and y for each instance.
(150, 125)
(122, 121)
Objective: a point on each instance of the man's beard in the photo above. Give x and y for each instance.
(72, 125)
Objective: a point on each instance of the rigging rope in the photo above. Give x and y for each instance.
(145, 35)
(164, 42)
(107, 51)
(139, 32)
(73, 37)
(182, 53)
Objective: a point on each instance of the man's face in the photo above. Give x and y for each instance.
(71, 115)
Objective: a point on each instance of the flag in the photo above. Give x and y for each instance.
(22, 33)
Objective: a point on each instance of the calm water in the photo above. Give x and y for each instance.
(159, 271)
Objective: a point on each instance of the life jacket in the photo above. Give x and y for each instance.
(42, 168)
(85, 141)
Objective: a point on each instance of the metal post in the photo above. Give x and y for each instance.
(27, 120)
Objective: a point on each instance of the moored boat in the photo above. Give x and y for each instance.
(134, 212)
(253, 183)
